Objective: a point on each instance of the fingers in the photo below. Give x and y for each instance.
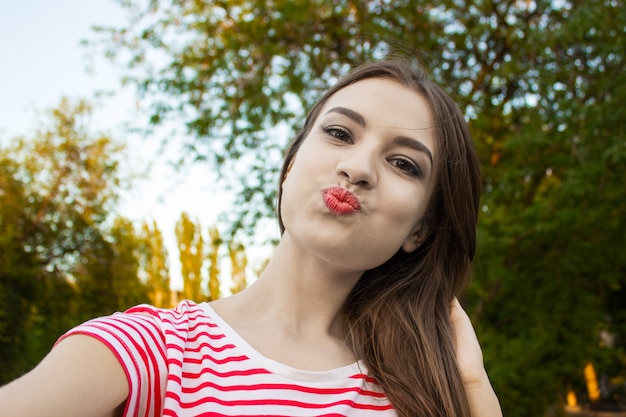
(467, 349)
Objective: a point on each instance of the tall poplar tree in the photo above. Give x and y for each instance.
(154, 259)
(238, 265)
(214, 263)
(191, 255)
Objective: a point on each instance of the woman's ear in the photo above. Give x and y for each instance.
(414, 239)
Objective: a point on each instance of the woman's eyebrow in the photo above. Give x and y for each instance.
(398, 140)
(351, 114)
(413, 144)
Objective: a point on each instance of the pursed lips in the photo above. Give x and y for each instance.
(340, 201)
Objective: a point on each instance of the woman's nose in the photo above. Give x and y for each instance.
(358, 166)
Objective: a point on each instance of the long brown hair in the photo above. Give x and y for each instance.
(396, 317)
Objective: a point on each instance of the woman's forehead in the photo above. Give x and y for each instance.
(383, 101)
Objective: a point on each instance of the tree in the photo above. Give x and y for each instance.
(57, 191)
(238, 264)
(193, 256)
(154, 258)
(191, 251)
(20, 273)
(543, 86)
(548, 261)
(243, 68)
(214, 263)
(107, 276)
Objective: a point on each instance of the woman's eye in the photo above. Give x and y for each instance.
(338, 133)
(407, 166)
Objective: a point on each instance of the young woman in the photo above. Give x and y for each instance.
(356, 314)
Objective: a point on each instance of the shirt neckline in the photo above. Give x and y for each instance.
(348, 371)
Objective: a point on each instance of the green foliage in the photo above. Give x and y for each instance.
(214, 263)
(543, 86)
(107, 276)
(240, 74)
(553, 210)
(19, 272)
(60, 261)
(154, 261)
(196, 257)
(191, 252)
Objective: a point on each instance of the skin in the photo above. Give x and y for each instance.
(316, 264)
(480, 394)
(64, 383)
(322, 255)
(383, 157)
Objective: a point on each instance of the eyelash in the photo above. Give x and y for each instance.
(412, 169)
(335, 131)
(343, 135)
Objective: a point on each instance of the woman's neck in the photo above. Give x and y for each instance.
(301, 290)
(297, 299)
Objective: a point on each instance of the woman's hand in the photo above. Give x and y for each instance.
(469, 356)
(480, 395)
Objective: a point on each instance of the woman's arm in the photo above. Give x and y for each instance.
(79, 377)
(480, 395)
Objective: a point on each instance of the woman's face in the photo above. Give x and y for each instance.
(360, 183)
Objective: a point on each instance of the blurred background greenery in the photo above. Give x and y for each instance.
(541, 83)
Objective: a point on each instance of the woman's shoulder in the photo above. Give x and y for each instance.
(147, 322)
(186, 314)
(183, 309)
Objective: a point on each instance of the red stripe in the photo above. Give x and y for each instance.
(242, 372)
(144, 308)
(278, 402)
(283, 387)
(179, 335)
(89, 330)
(366, 378)
(194, 325)
(195, 337)
(188, 326)
(229, 374)
(191, 334)
(173, 413)
(229, 359)
(146, 357)
(158, 339)
(200, 347)
(104, 326)
(185, 314)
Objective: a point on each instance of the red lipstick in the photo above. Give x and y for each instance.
(340, 201)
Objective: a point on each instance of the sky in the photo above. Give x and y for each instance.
(41, 61)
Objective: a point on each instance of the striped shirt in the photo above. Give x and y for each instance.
(189, 362)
